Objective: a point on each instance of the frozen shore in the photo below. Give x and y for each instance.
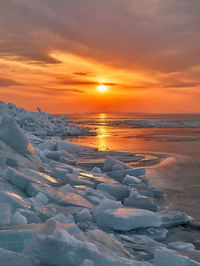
(195, 123)
(57, 210)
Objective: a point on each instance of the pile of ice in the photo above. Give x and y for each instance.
(54, 213)
(190, 123)
(42, 124)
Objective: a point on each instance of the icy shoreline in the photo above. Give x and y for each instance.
(192, 123)
(55, 212)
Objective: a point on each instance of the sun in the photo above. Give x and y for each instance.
(102, 88)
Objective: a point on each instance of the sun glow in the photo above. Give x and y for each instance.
(102, 88)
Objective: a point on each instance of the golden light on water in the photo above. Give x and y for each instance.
(102, 88)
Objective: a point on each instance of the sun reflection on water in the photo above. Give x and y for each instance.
(102, 133)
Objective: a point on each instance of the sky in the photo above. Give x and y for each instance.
(56, 54)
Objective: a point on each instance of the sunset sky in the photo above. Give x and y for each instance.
(56, 54)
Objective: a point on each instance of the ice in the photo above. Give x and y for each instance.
(58, 155)
(75, 203)
(181, 246)
(68, 147)
(59, 173)
(57, 247)
(84, 215)
(96, 170)
(58, 196)
(73, 179)
(22, 180)
(42, 198)
(14, 136)
(5, 214)
(98, 179)
(68, 188)
(14, 200)
(47, 145)
(10, 258)
(171, 218)
(167, 257)
(111, 162)
(119, 175)
(30, 216)
(63, 218)
(16, 238)
(142, 243)
(107, 244)
(141, 203)
(106, 204)
(159, 123)
(88, 263)
(151, 192)
(126, 219)
(128, 180)
(158, 234)
(18, 178)
(18, 219)
(36, 175)
(118, 191)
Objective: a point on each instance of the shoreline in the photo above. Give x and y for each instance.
(102, 208)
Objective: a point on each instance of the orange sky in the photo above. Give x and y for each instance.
(56, 54)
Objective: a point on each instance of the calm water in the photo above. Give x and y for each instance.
(180, 178)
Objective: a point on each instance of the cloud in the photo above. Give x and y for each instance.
(56, 92)
(82, 74)
(134, 34)
(8, 82)
(81, 82)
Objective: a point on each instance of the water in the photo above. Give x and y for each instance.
(179, 177)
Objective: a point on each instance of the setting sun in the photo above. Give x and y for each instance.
(102, 88)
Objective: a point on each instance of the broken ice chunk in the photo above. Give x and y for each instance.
(118, 191)
(68, 146)
(10, 258)
(129, 180)
(18, 219)
(181, 246)
(141, 203)
(111, 162)
(14, 136)
(14, 200)
(166, 257)
(126, 219)
(171, 218)
(4, 214)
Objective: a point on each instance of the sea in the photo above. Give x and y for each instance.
(176, 135)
